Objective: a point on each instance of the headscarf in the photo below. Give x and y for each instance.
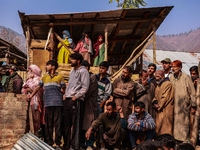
(66, 34)
(96, 46)
(33, 77)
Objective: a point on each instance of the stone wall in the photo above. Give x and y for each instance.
(13, 118)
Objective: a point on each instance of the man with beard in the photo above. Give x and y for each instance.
(77, 87)
(123, 91)
(184, 101)
(163, 103)
(112, 123)
(194, 73)
(166, 67)
(13, 82)
(140, 123)
(145, 93)
(151, 70)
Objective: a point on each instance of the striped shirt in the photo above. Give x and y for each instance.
(104, 88)
(146, 122)
(52, 89)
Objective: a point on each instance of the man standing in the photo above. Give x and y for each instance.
(163, 103)
(112, 126)
(54, 88)
(145, 92)
(194, 73)
(123, 91)
(151, 70)
(140, 122)
(13, 82)
(166, 67)
(90, 110)
(184, 101)
(77, 87)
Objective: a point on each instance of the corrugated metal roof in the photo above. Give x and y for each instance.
(31, 142)
(188, 59)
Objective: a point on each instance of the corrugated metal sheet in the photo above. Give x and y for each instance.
(188, 59)
(31, 142)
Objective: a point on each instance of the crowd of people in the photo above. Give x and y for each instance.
(160, 111)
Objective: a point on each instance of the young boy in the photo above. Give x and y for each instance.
(54, 88)
(104, 86)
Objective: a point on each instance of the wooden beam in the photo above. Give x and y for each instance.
(88, 22)
(154, 48)
(71, 27)
(29, 57)
(3, 47)
(125, 38)
(122, 51)
(97, 16)
(106, 41)
(117, 30)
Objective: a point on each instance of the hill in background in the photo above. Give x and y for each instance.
(13, 37)
(183, 42)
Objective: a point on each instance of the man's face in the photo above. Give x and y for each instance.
(74, 62)
(125, 74)
(193, 73)
(176, 69)
(103, 70)
(151, 70)
(138, 110)
(49, 67)
(166, 65)
(110, 111)
(158, 76)
(144, 78)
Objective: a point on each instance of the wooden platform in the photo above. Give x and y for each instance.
(64, 70)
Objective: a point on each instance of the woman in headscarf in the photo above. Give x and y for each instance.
(84, 47)
(64, 54)
(34, 77)
(99, 47)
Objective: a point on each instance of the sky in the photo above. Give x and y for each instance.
(183, 17)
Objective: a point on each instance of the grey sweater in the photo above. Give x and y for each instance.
(78, 84)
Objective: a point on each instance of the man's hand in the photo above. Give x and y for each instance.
(137, 123)
(73, 98)
(119, 109)
(102, 104)
(156, 106)
(193, 110)
(105, 137)
(88, 133)
(28, 98)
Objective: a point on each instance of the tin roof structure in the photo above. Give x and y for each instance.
(127, 28)
(188, 59)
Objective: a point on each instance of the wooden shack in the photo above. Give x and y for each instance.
(127, 31)
(9, 54)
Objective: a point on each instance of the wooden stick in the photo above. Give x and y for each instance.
(27, 45)
(48, 37)
(140, 53)
(132, 55)
(61, 41)
(106, 42)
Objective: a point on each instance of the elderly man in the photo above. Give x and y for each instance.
(123, 91)
(184, 101)
(163, 103)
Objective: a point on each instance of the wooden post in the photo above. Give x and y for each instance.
(154, 48)
(27, 46)
(106, 43)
